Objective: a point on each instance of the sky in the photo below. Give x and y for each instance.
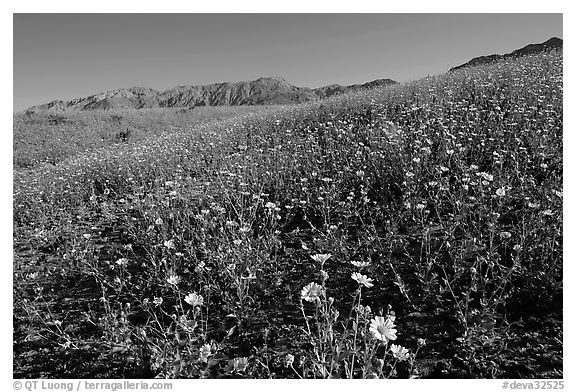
(66, 56)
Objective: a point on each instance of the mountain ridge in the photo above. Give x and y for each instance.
(552, 43)
(262, 91)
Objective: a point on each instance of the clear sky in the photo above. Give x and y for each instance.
(65, 56)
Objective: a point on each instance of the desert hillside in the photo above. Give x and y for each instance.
(407, 231)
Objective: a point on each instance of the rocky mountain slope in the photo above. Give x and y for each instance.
(528, 49)
(263, 91)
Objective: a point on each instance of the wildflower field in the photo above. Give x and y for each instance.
(50, 138)
(412, 231)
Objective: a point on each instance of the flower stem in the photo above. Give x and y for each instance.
(305, 319)
(356, 331)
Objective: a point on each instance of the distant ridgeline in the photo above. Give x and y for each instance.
(264, 91)
(552, 43)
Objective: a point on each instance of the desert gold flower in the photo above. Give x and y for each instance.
(321, 258)
(362, 279)
(194, 299)
(240, 364)
(311, 292)
(399, 352)
(360, 264)
(382, 328)
(205, 352)
(173, 279)
(169, 244)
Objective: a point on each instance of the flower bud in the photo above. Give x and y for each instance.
(289, 360)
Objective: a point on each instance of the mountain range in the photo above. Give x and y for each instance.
(552, 43)
(263, 91)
